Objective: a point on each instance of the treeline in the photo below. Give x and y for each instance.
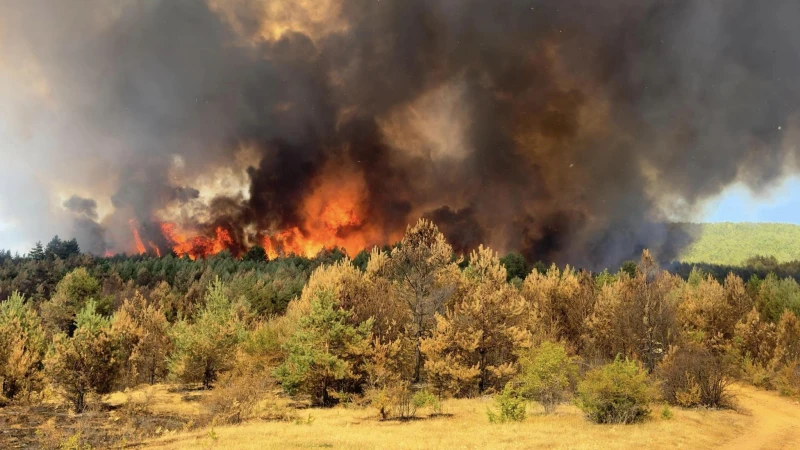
(756, 266)
(402, 328)
(270, 284)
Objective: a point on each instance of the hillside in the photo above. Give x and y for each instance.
(733, 243)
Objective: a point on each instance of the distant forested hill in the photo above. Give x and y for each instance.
(733, 243)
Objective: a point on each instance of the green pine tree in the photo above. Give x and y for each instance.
(326, 353)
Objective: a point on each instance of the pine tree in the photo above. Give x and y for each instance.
(88, 362)
(425, 277)
(23, 348)
(325, 353)
(53, 249)
(72, 293)
(70, 248)
(480, 332)
(143, 332)
(635, 317)
(651, 310)
(37, 252)
(559, 303)
(256, 253)
(787, 345)
(207, 346)
(755, 338)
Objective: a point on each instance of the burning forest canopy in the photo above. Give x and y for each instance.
(570, 130)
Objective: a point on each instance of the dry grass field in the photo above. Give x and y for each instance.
(764, 420)
(170, 419)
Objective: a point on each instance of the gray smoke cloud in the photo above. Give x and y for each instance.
(82, 206)
(571, 130)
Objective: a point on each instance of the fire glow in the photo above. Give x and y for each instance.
(328, 225)
(333, 214)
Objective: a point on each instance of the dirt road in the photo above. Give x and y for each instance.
(776, 421)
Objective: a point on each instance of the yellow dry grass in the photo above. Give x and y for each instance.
(160, 399)
(466, 427)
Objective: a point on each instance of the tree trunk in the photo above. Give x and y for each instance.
(208, 375)
(417, 350)
(482, 382)
(79, 402)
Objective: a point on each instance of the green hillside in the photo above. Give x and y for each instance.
(733, 243)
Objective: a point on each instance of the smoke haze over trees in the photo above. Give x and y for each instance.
(568, 130)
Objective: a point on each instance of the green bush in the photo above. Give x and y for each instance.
(424, 399)
(511, 406)
(617, 392)
(547, 374)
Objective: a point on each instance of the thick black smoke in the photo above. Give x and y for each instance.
(573, 130)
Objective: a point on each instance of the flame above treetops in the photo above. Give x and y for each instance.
(197, 246)
(334, 213)
(137, 239)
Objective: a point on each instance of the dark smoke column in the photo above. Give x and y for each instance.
(571, 130)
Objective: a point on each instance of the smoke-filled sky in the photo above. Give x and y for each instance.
(571, 130)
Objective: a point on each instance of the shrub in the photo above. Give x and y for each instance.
(615, 393)
(693, 376)
(547, 374)
(236, 398)
(666, 413)
(399, 402)
(388, 369)
(511, 406)
(425, 398)
(787, 379)
(755, 374)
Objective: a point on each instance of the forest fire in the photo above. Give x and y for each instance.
(137, 239)
(197, 246)
(559, 132)
(332, 215)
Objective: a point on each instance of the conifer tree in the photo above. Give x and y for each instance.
(72, 293)
(559, 302)
(325, 354)
(22, 348)
(87, 362)
(635, 317)
(206, 347)
(481, 331)
(37, 252)
(787, 345)
(143, 331)
(425, 277)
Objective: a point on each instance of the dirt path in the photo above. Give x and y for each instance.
(776, 421)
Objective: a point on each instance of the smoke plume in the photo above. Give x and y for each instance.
(570, 130)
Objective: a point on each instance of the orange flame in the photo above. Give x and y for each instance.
(333, 215)
(198, 246)
(136, 238)
(155, 248)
